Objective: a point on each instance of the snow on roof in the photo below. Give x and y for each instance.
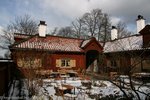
(85, 42)
(52, 43)
(130, 43)
(56, 43)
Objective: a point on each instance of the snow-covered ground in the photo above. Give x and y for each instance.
(99, 89)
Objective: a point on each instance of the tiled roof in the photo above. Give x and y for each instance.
(51, 43)
(56, 43)
(130, 43)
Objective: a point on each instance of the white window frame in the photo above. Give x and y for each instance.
(65, 63)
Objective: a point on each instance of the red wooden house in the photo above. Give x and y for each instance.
(54, 52)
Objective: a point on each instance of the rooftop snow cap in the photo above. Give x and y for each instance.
(42, 29)
(140, 23)
(114, 33)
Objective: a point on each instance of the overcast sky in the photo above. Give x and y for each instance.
(59, 13)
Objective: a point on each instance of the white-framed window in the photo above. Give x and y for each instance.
(65, 63)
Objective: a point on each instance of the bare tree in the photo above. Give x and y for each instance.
(104, 29)
(122, 30)
(66, 32)
(24, 24)
(78, 28)
(89, 20)
(93, 24)
(54, 31)
(7, 37)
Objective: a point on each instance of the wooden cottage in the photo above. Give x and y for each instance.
(124, 55)
(129, 54)
(54, 52)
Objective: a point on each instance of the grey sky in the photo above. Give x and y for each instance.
(59, 13)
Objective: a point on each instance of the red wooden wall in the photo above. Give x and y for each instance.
(80, 60)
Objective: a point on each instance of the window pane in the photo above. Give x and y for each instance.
(63, 63)
(67, 63)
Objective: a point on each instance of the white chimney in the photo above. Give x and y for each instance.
(114, 33)
(42, 29)
(140, 23)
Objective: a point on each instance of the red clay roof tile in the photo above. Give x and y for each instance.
(52, 43)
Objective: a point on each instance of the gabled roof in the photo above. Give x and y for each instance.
(54, 43)
(92, 43)
(134, 42)
(51, 43)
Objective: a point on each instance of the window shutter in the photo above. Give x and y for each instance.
(73, 63)
(58, 63)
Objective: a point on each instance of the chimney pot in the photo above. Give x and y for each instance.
(140, 17)
(140, 23)
(42, 28)
(42, 23)
(114, 33)
(114, 27)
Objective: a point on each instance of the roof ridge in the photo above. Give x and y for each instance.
(63, 37)
(124, 37)
(24, 34)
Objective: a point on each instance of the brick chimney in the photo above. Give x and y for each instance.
(42, 29)
(140, 23)
(114, 33)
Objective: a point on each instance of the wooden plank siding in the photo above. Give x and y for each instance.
(77, 61)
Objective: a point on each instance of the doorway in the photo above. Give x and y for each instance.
(92, 60)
